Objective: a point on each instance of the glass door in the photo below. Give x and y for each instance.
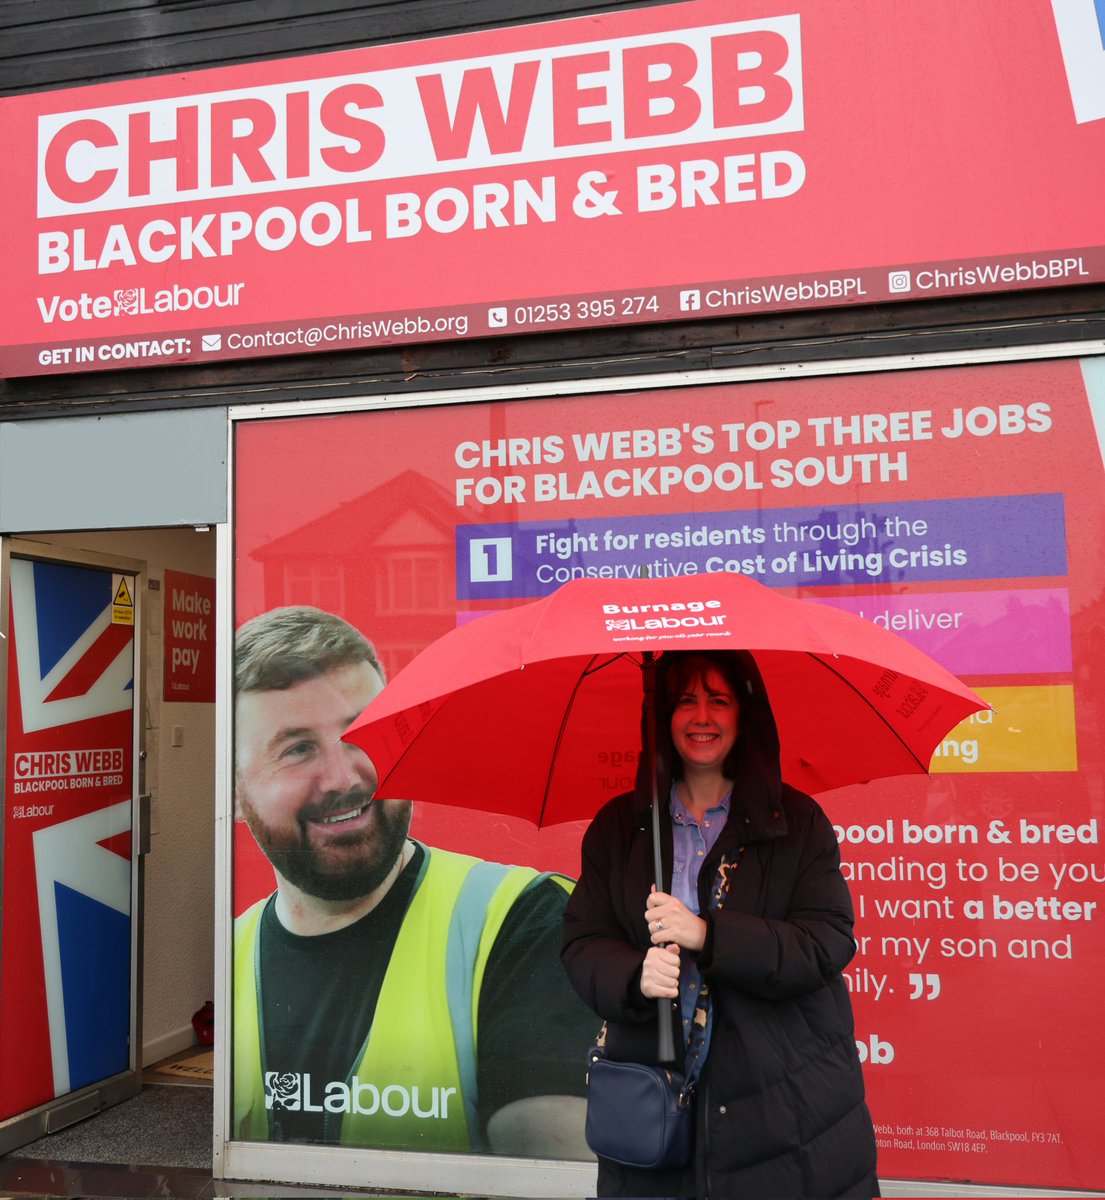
(68, 881)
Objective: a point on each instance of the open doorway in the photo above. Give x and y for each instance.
(174, 691)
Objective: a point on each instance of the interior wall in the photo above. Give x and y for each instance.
(178, 941)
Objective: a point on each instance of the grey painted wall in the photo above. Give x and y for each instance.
(116, 471)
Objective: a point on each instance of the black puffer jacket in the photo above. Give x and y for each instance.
(781, 1109)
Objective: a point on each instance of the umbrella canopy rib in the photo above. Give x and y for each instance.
(852, 687)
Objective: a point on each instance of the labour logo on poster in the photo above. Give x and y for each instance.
(283, 1090)
(126, 300)
(1081, 26)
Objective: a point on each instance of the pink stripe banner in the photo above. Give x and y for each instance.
(1014, 632)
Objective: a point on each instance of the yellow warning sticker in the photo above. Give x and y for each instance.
(122, 604)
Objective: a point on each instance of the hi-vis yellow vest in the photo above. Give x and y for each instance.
(413, 1086)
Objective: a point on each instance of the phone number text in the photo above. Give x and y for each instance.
(584, 310)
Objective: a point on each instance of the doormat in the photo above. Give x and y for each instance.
(199, 1067)
(160, 1128)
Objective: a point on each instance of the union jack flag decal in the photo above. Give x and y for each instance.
(65, 990)
(74, 663)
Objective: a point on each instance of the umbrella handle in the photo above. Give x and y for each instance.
(665, 1052)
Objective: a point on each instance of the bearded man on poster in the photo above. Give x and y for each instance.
(387, 994)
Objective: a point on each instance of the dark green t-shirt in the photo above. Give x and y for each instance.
(319, 995)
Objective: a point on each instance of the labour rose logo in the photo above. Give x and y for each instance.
(283, 1090)
(126, 300)
(620, 623)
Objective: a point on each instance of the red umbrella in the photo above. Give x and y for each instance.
(536, 710)
(532, 710)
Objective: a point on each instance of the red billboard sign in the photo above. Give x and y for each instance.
(798, 153)
(960, 508)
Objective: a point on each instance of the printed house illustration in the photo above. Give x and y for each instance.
(384, 561)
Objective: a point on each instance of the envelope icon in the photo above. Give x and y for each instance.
(211, 341)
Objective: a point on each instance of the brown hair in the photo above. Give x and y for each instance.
(286, 646)
(677, 670)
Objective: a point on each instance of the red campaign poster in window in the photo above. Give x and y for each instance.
(65, 970)
(189, 673)
(959, 507)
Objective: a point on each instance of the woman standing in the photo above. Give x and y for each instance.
(780, 1103)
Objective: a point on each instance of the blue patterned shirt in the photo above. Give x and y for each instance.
(692, 842)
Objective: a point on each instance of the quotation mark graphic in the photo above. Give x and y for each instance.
(921, 983)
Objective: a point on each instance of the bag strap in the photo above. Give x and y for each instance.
(700, 1020)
